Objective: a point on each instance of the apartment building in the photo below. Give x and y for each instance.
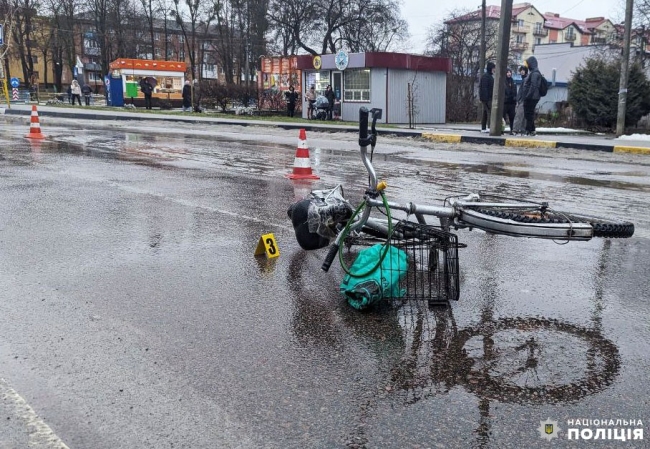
(531, 27)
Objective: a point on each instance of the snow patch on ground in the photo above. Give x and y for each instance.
(645, 137)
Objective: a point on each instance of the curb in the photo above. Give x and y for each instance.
(434, 137)
(211, 120)
(532, 143)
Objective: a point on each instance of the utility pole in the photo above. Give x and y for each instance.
(625, 69)
(481, 56)
(502, 64)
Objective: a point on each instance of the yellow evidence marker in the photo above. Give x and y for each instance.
(267, 245)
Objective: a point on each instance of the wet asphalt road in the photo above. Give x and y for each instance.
(133, 313)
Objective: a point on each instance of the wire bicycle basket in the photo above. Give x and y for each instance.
(432, 272)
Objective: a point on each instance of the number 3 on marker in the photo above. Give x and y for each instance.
(267, 245)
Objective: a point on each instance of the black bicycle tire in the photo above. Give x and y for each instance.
(602, 227)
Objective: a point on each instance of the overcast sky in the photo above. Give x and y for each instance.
(420, 14)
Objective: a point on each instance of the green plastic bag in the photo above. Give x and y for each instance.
(383, 282)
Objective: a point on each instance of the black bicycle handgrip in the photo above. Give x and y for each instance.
(331, 254)
(363, 122)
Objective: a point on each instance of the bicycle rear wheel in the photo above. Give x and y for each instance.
(539, 221)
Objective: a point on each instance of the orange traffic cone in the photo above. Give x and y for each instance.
(301, 164)
(35, 126)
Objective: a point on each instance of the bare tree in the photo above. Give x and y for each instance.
(460, 40)
(191, 16)
(22, 34)
(325, 26)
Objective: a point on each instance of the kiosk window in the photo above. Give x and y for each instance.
(356, 86)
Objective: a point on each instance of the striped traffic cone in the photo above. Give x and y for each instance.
(35, 126)
(301, 164)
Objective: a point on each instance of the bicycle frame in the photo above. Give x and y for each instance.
(464, 212)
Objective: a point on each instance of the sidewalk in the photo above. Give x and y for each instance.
(450, 133)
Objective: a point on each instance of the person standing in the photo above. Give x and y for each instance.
(310, 98)
(187, 96)
(520, 122)
(531, 93)
(510, 101)
(147, 90)
(69, 92)
(76, 92)
(291, 97)
(485, 91)
(87, 92)
(331, 98)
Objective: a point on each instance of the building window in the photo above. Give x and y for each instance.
(181, 39)
(156, 36)
(538, 40)
(520, 39)
(34, 59)
(181, 55)
(520, 23)
(356, 85)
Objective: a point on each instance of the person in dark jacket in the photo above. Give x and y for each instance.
(331, 98)
(520, 122)
(187, 97)
(485, 90)
(147, 90)
(531, 94)
(291, 97)
(87, 92)
(510, 100)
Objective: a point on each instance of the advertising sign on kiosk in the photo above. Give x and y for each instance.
(169, 77)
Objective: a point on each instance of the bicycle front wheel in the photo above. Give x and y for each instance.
(538, 221)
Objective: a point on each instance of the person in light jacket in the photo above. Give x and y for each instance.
(520, 122)
(76, 92)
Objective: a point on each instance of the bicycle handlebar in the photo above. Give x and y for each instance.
(365, 139)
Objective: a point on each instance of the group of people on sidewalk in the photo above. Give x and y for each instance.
(518, 105)
(75, 90)
(311, 98)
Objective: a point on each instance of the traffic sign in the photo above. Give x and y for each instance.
(15, 82)
(14, 94)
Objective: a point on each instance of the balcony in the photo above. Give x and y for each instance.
(569, 37)
(519, 46)
(598, 40)
(92, 67)
(541, 32)
(92, 51)
(520, 29)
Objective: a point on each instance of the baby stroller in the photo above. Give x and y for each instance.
(320, 107)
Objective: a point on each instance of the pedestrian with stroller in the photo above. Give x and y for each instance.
(531, 93)
(485, 91)
(76, 92)
(331, 98)
(510, 101)
(520, 122)
(291, 97)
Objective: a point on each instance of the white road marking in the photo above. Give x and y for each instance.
(40, 434)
